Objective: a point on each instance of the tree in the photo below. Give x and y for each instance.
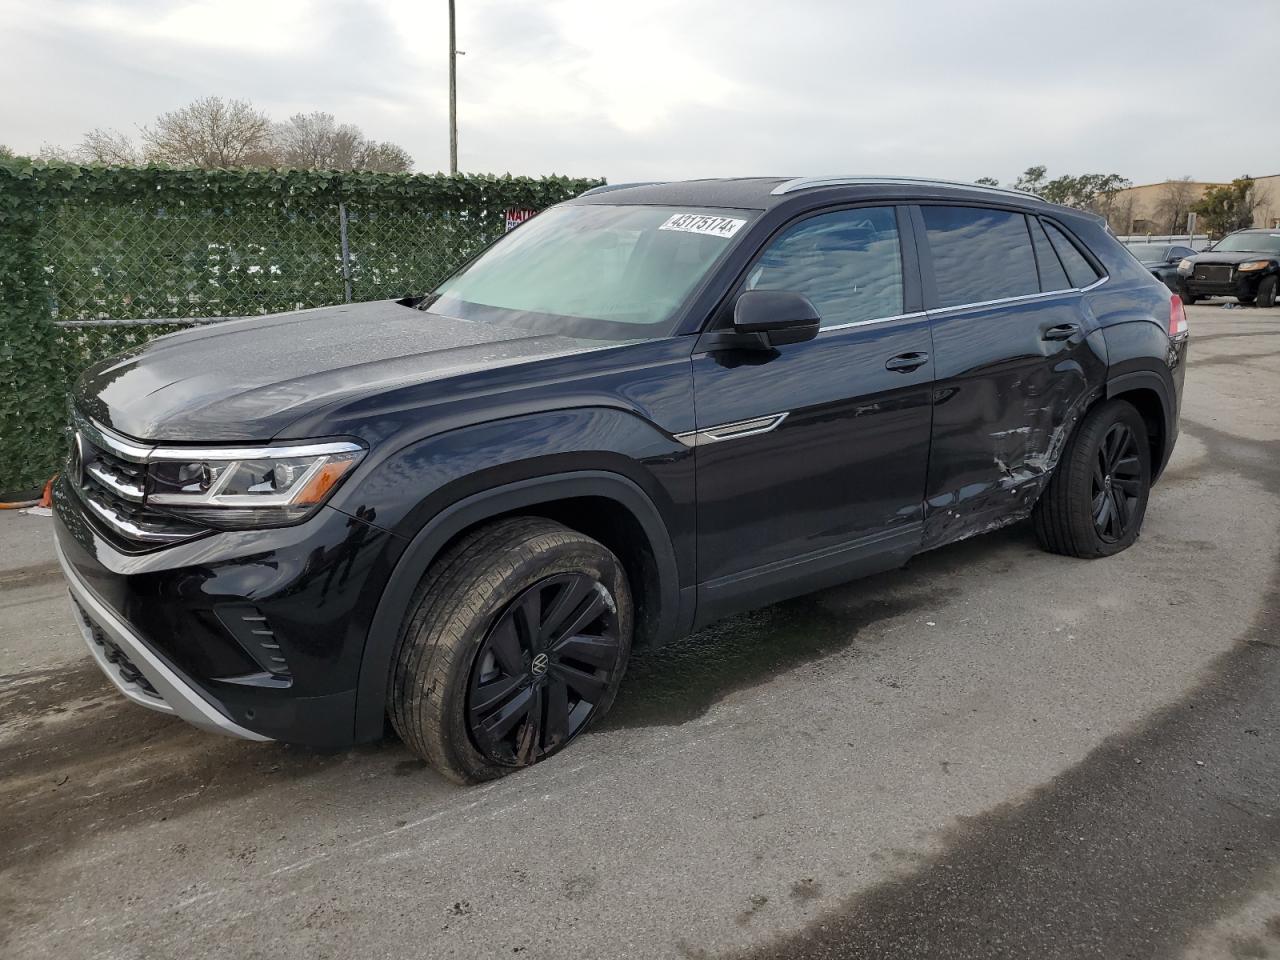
(211, 132)
(106, 146)
(1174, 204)
(1031, 180)
(6, 153)
(385, 157)
(1227, 208)
(316, 141)
(988, 181)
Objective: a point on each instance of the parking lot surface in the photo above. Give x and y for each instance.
(994, 752)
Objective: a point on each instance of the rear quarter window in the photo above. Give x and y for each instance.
(1079, 270)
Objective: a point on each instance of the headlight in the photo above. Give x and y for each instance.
(1254, 265)
(1184, 267)
(249, 487)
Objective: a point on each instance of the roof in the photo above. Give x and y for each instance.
(760, 193)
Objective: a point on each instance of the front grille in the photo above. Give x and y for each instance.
(117, 657)
(112, 488)
(1213, 273)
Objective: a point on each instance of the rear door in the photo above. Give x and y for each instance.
(811, 457)
(1017, 355)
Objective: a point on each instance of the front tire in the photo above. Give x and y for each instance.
(1097, 499)
(1187, 298)
(1267, 292)
(515, 643)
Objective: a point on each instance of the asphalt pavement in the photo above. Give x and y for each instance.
(994, 752)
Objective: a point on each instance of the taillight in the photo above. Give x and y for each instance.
(1178, 328)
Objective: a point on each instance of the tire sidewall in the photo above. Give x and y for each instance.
(551, 555)
(1091, 436)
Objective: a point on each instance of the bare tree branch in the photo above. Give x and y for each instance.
(211, 132)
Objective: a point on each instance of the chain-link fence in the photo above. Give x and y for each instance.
(97, 260)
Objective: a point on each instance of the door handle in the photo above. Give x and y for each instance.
(906, 362)
(1063, 331)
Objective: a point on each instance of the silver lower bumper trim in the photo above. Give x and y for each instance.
(176, 696)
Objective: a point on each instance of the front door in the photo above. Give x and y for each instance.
(811, 458)
(1018, 356)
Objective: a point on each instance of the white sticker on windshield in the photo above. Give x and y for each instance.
(697, 223)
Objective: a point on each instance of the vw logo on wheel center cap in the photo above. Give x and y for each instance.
(540, 664)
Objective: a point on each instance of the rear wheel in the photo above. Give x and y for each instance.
(1095, 504)
(516, 642)
(1267, 292)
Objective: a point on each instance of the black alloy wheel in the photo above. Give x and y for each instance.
(543, 668)
(1117, 483)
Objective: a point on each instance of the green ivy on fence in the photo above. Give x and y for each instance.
(140, 244)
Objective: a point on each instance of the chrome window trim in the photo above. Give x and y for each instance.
(732, 431)
(806, 183)
(916, 315)
(1001, 301)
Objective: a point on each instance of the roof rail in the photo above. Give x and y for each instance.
(808, 183)
(607, 187)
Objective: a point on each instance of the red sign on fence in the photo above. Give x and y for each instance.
(516, 217)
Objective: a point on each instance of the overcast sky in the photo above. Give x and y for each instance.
(667, 89)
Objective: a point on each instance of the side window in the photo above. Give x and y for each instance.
(1078, 268)
(979, 254)
(1052, 274)
(848, 262)
(1180, 252)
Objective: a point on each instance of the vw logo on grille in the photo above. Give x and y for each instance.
(540, 664)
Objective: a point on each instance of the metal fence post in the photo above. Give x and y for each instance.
(346, 250)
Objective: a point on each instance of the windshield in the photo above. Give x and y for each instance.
(1249, 242)
(1147, 251)
(592, 270)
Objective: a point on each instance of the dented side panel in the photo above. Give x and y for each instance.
(1005, 402)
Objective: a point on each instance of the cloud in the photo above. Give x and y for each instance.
(672, 89)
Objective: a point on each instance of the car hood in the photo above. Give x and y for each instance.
(248, 379)
(1214, 256)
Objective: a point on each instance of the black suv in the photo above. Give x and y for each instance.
(1244, 265)
(641, 411)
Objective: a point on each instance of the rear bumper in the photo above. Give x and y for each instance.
(137, 672)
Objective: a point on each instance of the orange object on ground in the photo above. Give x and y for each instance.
(46, 498)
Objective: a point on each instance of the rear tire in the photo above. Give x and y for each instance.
(515, 643)
(1267, 292)
(1096, 501)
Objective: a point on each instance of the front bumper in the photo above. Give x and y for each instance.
(1241, 286)
(255, 633)
(137, 672)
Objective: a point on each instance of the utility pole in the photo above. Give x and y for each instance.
(453, 93)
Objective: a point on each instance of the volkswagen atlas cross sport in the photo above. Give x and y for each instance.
(641, 411)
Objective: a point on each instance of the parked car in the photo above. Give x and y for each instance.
(1162, 260)
(1244, 265)
(639, 412)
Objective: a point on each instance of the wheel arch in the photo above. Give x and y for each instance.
(604, 505)
(1147, 392)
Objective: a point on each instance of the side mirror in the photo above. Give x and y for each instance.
(776, 317)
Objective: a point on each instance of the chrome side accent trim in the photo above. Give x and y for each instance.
(732, 431)
(807, 183)
(1002, 301)
(177, 696)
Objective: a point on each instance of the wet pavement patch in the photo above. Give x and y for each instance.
(681, 681)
